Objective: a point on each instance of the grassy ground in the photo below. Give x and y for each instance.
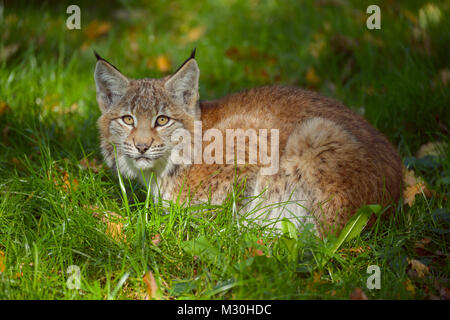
(56, 208)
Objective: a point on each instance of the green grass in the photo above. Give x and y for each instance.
(48, 200)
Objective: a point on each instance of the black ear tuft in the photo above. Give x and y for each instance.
(192, 56)
(98, 56)
(101, 59)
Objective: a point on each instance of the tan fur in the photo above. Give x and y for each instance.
(332, 161)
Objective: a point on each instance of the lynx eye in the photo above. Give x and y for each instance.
(162, 121)
(128, 120)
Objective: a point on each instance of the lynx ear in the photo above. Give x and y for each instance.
(111, 84)
(183, 85)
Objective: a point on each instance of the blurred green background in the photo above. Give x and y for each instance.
(398, 77)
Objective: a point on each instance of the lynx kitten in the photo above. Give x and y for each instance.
(329, 160)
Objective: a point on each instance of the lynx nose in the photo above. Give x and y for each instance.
(142, 147)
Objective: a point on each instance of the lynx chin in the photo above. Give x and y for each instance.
(330, 161)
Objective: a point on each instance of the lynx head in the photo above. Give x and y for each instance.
(139, 116)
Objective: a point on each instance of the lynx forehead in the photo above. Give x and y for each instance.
(331, 160)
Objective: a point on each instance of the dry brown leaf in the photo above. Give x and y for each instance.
(94, 164)
(431, 149)
(422, 243)
(2, 262)
(152, 288)
(311, 77)
(412, 186)
(409, 194)
(317, 277)
(358, 294)
(114, 226)
(418, 268)
(96, 29)
(64, 182)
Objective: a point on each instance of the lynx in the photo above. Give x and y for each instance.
(331, 161)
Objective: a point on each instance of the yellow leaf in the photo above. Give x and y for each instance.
(113, 224)
(419, 268)
(163, 64)
(413, 186)
(312, 79)
(2, 261)
(317, 277)
(409, 286)
(196, 33)
(410, 193)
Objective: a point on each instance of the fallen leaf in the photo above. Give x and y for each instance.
(196, 33)
(94, 164)
(114, 225)
(410, 193)
(96, 29)
(358, 294)
(413, 186)
(317, 277)
(152, 288)
(163, 63)
(311, 77)
(114, 229)
(422, 243)
(409, 286)
(418, 268)
(355, 251)
(2, 262)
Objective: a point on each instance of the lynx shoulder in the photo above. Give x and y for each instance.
(287, 145)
